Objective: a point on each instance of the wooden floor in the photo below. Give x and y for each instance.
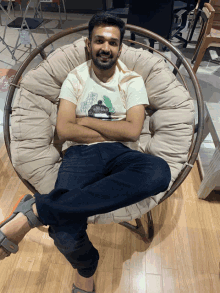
(184, 255)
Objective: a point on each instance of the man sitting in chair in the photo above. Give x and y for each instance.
(102, 169)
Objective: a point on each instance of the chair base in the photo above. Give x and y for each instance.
(139, 229)
(147, 237)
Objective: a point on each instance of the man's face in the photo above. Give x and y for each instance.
(104, 46)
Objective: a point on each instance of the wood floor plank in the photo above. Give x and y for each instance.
(154, 283)
(171, 211)
(37, 277)
(203, 282)
(42, 262)
(4, 159)
(138, 266)
(170, 281)
(189, 191)
(122, 249)
(168, 252)
(215, 216)
(9, 198)
(47, 243)
(210, 236)
(191, 281)
(11, 169)
(23, 268)
(104, 282)
(54, 278)
(215, 283)
(121, 280)
(22, 187)
(153, 259)
(186, 279)
(195, 178)
(196, 239)
(182, 249)
(4, 177)
(7, 270)
(13, 183)
(3, 155)
(106, 248)
(173, 232)
(68, 278)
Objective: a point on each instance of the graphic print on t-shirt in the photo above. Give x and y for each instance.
(92, 97)
(108, 104)
(101, 109)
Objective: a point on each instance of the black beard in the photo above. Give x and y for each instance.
(104, 65)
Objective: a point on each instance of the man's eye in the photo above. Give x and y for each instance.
(112, 43)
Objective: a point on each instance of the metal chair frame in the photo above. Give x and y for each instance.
(11, 5)
(25, 21)
(8, 15)
(58, 3)
(146, 236)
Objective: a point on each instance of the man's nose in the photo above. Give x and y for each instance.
(105, 47)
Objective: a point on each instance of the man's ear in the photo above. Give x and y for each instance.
(120, 49)
(88, 44)
(87, 48)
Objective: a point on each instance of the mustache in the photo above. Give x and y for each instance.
(103, 53)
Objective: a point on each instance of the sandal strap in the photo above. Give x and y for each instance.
(76, 289)
(7, 244)
(26, 209)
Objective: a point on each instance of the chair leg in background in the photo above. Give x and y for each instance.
(32, 38)
(151, 45)
(60, 17)
(64, 8)
(133, 39)
(191, 30)
(12, 54)
(48, 37)
(15, 48)
(200, 54)
(178, 64)
(211, 178)
(139, 229)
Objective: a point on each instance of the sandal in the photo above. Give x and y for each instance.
(24, 205)
(76, 290)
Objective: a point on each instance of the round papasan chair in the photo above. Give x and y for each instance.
(32, 142)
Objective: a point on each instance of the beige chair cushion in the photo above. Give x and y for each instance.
(36, 150)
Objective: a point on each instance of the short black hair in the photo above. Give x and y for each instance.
(106, 18)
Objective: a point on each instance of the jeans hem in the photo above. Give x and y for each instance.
(88, 275)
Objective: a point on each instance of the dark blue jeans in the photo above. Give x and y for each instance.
(93, 180)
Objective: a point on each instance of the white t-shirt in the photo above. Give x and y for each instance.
(107, 101)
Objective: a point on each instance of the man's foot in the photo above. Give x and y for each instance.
(84, 283)
(15, 230)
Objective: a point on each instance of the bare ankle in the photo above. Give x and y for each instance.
(84, 283)
(35, 210)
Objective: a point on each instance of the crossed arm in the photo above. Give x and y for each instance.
(89, 130)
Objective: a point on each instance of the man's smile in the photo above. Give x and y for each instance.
(103, 57)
